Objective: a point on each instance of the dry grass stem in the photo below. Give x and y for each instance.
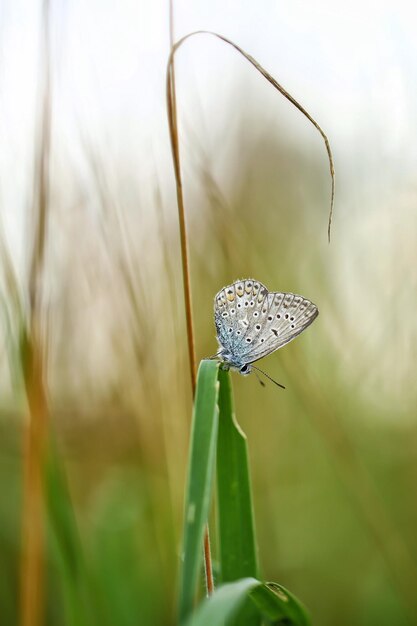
(32, 564)
(173, 127)
(270, 79)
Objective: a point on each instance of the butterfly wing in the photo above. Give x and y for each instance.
(236, 309)
(252, 323)
(287, 315)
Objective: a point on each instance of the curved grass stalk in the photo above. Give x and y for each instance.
(172, 118)
(174, 138)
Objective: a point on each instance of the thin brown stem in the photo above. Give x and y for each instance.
(183, 230)
(41, 173)
(35, 436)
(207, 562)
(173, 127)
(34, 370)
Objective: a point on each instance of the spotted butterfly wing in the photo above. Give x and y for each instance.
(251, 322)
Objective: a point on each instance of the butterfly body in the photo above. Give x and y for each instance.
(252, 322)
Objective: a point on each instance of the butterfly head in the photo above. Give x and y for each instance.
(230, 361)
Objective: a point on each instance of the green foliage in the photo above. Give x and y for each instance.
(243, 600)
(65, 544)
(278, 605)
(238, 555)
(223, 604)
(268, 603)
(200, 474)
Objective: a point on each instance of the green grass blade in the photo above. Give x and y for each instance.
(238, 556)
(233, 602)
(199, 482)
(65, 542)
(223, 605)
(279, 606)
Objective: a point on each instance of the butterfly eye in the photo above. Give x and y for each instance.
(244, 369)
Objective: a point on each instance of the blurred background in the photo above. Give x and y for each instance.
(333, 458)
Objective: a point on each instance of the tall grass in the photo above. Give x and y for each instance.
(34, 356)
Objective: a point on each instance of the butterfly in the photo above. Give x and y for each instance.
(252, 322)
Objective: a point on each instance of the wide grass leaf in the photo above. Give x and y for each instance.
(199, 482)
(278, 605)
(238, 553)
(222, 606)
(233, 602)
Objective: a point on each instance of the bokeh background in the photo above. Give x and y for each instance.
(333, 458)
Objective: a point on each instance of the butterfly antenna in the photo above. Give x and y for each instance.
(267, 376)
(260, 380)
